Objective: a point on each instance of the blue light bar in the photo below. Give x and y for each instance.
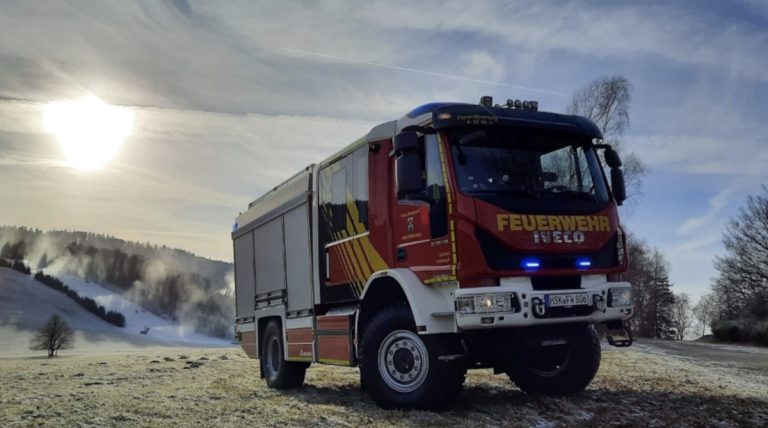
(531, 264)
(583, 263)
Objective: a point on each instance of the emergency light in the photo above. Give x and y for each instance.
(531, 264)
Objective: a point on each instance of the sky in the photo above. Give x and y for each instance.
(230, 98)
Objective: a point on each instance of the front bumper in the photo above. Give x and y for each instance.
(531, 307)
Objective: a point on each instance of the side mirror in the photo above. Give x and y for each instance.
(410, 184)
(617, 184)
(612, 158)
(405, 142)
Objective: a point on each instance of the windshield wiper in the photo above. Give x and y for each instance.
(525, 193)
(587, 196)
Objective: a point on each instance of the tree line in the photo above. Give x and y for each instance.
(737, 306)
(15, 265)
(113, 317)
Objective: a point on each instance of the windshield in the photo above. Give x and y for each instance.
(528, 171)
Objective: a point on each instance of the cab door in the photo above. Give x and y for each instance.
(423, 238)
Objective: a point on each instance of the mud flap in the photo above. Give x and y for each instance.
(621, 340)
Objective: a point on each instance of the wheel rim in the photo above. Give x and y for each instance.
(551, 363)
(273, 357)
(403, 361)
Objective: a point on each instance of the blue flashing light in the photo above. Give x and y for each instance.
(531, 264)
(583, 263)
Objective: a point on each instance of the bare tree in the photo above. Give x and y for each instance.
(682, 315)
(606, 102)
(743, 280)
(705, 311)
(55, 334)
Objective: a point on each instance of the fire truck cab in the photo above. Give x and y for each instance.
(460, 236)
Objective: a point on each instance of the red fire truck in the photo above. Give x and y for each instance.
(460, 236)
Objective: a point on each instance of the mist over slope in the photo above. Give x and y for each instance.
(26, 304)
(173, 283)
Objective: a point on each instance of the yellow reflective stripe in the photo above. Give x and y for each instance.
(371, 258)
(449, 199)
(441, 278)
(299, 359)
(375, 259)
(347, 264)
(357, 271)
(333, 361)
(355, 227)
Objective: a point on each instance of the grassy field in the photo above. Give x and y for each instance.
(221, 387)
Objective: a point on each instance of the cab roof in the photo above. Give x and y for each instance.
(446, 115)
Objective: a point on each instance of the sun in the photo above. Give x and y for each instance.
(89, 130)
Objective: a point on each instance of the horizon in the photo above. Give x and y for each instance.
(218, 104)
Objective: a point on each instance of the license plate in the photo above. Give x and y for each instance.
(571, 299)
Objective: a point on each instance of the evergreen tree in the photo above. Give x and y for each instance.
(649, 274)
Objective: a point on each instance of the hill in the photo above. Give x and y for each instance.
(26, 304)
(171, 283)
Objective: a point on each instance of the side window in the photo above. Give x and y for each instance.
(438, 219)
(338, 199)
(432, 188)
(344, 195)
(360, 191)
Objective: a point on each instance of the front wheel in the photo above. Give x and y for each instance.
(279, 374)
(400, 368)
(560, 363)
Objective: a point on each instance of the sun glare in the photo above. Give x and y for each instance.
(89, 130)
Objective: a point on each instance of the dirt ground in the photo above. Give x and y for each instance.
(641, 386)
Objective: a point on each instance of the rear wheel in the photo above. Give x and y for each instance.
(400, 368)
(558, 364)
(279, 373)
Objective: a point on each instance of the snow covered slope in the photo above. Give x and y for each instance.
(26, 304)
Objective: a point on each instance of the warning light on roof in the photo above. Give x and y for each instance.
(524, 105)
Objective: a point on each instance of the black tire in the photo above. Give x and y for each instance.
(558, 370)
(279, 374)
(401, 369)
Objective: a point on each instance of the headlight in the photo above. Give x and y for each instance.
(485, 303)
(619, 297)
(465, 305)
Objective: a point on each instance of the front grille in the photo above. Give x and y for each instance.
(500, 257)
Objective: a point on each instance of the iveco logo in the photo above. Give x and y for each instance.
(558, 237)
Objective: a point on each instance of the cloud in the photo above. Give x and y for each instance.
(241, 57)
(662, 30)
(738, 154)
(476, 63)
(712, 220)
